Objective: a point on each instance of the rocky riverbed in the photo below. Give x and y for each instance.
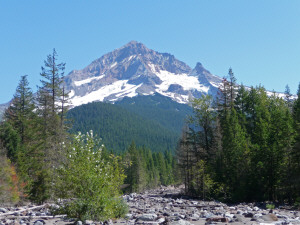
(162, 206)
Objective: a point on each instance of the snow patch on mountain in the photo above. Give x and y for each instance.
(71, 93)
(120, 88)
(183, 99)
(168, 78)
(217, 85)
(113, 65)
(88, 80)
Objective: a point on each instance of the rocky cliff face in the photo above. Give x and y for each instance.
(136, 70)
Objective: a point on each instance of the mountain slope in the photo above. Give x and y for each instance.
(161, 109)
(136, 70)
(118, 127)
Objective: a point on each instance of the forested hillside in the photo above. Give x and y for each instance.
(118, 127)
(151, 121)
(165, 111)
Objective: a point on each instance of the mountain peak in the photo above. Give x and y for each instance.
(132, 43)
(135, 45)
(135, 70)
(199, 69)
(199, 65)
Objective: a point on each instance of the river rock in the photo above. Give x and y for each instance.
(79, 223)
(3, 210)
(239, 218)
(39, 222)
(148, 217)
(161, 220)
(180, 222)
(248, 215)
(269, 217)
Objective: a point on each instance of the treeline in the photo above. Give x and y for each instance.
(145, 169)
(243, 147)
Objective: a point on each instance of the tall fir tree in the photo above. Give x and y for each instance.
(296, 148)
(51, 110)
(20, 116)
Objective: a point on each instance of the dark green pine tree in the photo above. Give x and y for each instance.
(288, 95)
(21, 137)
(153, 179)
(204, 120)
(21, 110)
(232, 87)
(183, 157)
(258, 127)
(296, 148)
(52, 80)
(280, 141)
(236, 156)
(240, 104)
(51, 109)
(136, 172)
(20, 116)
(11, 140)
(170, 167)
(160, 164)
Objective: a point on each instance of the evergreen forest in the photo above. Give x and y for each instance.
(242, 146)
(154, 122)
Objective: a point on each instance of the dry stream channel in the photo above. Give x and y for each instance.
(161, 206)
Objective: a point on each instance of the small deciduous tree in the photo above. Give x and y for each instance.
(90, 181)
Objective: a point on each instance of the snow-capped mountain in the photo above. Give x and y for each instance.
(136, 70)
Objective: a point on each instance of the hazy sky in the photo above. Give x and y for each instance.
(259, 39)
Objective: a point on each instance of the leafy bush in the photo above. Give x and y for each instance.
(270, 206)
(90, 181)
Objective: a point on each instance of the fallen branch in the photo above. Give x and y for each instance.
(35, 217)
(23, 210)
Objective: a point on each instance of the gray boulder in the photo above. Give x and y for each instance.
(148, 217)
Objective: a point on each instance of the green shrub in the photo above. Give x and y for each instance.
(90, 182)
(270, 206)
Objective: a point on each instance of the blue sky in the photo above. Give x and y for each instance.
(260, 40)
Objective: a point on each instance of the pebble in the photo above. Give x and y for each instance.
(39, 222)
(3, 210)
(148, 217)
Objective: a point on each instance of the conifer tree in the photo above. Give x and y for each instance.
(19, 118)
(296, 148)
(288, 95)
(52, 100)
(136, 173)
(51, 109)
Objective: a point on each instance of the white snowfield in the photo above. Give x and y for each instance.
(88, 80)
(122, 88)
(119, 88)
(183, 79)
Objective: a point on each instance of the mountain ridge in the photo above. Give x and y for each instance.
(135, 70)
